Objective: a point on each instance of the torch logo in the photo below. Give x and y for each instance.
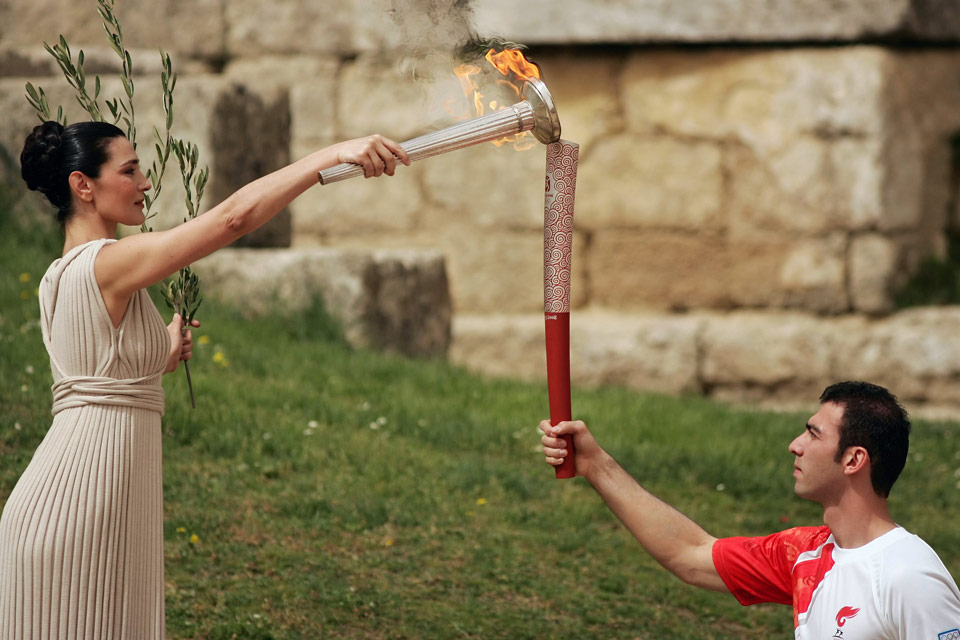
(844, 614)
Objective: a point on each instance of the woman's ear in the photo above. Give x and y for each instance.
(81, 186)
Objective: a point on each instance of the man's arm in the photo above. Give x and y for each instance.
(673, 539)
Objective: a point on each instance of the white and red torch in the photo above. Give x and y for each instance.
(560, 188)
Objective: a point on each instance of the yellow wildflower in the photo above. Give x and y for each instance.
(194, 539)
(181, 529)
(24, 295)
(220, 358)
(481, 501)
(24, 277)
(203, 340)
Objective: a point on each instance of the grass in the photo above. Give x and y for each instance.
(319, 491)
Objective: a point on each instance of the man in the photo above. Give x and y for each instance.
(859, 577)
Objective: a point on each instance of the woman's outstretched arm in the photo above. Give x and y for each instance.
(144, 259)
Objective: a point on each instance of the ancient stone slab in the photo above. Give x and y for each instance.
(766, 349)
(667, 270)
(873, 262)
(906, 352)
(194, 29)
(813, 275)
(636, 181)
(489, 187)
(641, 351)
(640, 21)
(656, 352)
(584, 89)
(764, 98)
(393, 300)
(359, 206)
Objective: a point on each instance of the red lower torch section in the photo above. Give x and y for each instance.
(557, 326)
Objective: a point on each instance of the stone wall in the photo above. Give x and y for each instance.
(786, 162)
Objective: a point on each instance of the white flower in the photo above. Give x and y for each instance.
(30, 369)
(313, 424)
(721, 487)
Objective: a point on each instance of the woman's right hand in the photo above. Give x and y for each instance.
(376, 154)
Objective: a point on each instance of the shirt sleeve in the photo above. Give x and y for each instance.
(760, 569)
(921, 599)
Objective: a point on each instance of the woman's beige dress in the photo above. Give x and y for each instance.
(81, 536)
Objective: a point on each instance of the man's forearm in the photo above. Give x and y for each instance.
(673, 539)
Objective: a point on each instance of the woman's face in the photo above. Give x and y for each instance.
(118, 192)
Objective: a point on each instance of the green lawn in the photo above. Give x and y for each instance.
(320, 491)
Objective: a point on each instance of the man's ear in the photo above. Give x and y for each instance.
(854, 460)
(81, 186)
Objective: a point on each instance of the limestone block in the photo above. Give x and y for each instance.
(873, 263)
(905, 353)
(495, 188)
(375, 96)
(761, 98)
(667, 270)
(650, 352)
(502, 272)
(194, 29)
(583, 86)
(500, 345)
(766, 349)
(653, 352)
(629, 21)
(651, 181)
(393, 300)
(813, 275)
(387, 204)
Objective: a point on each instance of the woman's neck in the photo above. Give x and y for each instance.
(81, 229)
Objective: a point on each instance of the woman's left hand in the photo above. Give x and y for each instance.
(181, 342)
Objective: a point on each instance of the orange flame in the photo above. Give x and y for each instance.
(516, 69)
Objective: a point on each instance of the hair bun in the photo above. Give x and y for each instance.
(40, 159)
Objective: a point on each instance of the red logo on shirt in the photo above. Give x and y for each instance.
(844, 614)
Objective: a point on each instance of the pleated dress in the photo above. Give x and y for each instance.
(81, 535)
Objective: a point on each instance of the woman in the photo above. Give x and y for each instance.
(81, 536)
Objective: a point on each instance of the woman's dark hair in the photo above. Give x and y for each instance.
(52, 152)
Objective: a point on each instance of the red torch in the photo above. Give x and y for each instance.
(561, 183)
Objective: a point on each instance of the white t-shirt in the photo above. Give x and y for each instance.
(894, 587)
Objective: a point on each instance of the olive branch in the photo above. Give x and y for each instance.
(182, 294)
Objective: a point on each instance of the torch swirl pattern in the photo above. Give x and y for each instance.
(561, 183)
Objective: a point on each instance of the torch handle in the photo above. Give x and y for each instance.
(515, 119)
(557, 329)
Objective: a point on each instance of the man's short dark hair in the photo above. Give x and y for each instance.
(874, 419)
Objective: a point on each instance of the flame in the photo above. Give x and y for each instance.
(515, 69)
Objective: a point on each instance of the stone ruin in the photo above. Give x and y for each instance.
(757, 177)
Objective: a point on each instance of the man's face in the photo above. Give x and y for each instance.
(818, 476)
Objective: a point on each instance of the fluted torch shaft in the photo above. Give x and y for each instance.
(515, 119)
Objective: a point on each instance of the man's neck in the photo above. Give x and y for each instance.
(857, 520)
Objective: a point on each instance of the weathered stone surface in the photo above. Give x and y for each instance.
(640, 351)
(194, 29)
(359, 206)
(493, 188)
(583, 87)
(764, 98)
(907, 352)
(393, 300)
(501, 272)
(813, 275)
(638, 21)
(874, 262)
(648, 181)
(754, 349)
(667, 270)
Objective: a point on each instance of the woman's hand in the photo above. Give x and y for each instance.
(181, 342)
(376, 154)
